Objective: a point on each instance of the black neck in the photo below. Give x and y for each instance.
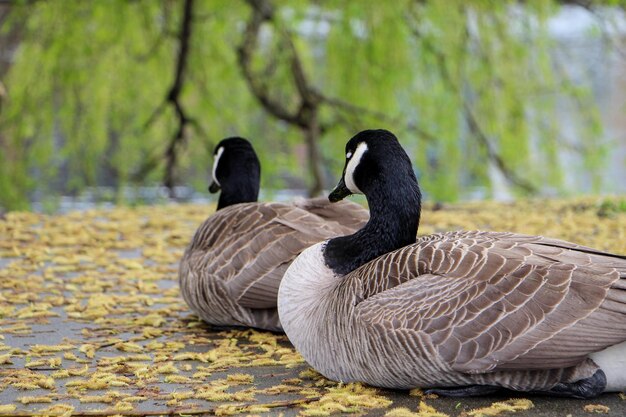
(394, 219)
(238, 192)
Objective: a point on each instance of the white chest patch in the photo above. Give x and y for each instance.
(218, 155)
(305, 283)
(353, 162)
(612, 361)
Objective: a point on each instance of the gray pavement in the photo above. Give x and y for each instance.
(92, 324)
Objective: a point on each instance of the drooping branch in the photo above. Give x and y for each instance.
(359, 111)
(173, 97)
(492, 154)
(306, 116)
(470, 117)
(606, 30)
(310, 100)
(261, 12)
(309, 96)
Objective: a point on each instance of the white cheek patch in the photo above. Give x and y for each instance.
(352, 164)
(216, 161)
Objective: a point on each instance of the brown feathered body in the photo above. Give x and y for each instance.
(462, 308)
(230, 273)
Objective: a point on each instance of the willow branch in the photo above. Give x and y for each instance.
(309, 96)
(183, 53)
(471, 118)
(602, 21)
(359, 111)
(261, 12)
(312, 98)
(173, 98)
(493, 155)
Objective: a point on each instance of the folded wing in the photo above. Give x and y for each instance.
(498, 301)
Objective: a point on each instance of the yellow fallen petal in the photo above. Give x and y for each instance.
(7, 408)
(30, 400)
(596, 408)
(88, 349)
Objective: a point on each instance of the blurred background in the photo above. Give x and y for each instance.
(124, 100)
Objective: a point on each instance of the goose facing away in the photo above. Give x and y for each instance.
(465, 312)
(230, 272)
(237, 173)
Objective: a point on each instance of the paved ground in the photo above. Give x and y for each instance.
(92, 324)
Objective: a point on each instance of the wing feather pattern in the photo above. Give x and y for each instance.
(238, 256)
(498, 301)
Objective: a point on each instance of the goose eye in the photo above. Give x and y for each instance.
(349, 155)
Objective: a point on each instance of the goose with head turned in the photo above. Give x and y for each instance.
(462, 313)
(230, 272)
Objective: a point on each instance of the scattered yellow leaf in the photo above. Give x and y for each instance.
(240, 378)
(30, 400)
(495, 409)
(596, 408)
(7, 408)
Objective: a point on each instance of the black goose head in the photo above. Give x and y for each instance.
(377, 166)
(236, 172)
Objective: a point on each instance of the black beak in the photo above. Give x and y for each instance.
(340, 192)
(213, 188)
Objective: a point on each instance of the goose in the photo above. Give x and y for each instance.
(462, 313)
(230, 272)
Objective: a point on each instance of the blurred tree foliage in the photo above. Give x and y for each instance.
(122, 92)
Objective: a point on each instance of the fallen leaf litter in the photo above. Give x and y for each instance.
(92, 323)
